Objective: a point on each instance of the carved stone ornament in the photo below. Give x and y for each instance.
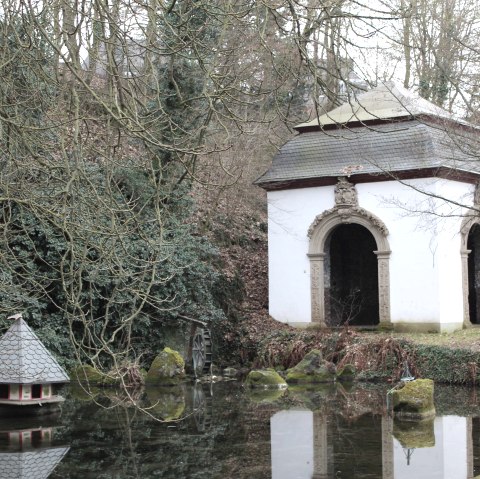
(346, 214)
(345, 193)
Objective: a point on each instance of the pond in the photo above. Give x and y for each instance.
(223, 431)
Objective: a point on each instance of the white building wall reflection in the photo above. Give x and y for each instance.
(448, 458)
(300, 450)
(292, 439)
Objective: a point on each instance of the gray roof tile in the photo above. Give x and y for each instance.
(387, 147)
(386, 101)
(25, 360)
(35, 464)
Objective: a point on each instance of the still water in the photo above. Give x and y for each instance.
(222, 431)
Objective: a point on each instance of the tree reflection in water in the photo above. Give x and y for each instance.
(222, 431)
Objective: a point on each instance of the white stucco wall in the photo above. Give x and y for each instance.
(425, 263)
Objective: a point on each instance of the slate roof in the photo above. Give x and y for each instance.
(387, 101)
(36, 464)
(393, 145)
(25, 360)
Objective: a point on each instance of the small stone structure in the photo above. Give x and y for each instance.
(373, 217)
(28, 372)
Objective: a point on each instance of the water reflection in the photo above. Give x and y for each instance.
(311, 445)
(28, 449)
(222, 431)
(449, 456)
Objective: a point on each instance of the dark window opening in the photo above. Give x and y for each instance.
(36, 391)
(4, 391)
(36, 438)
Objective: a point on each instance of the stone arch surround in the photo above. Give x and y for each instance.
(467, 225)
(318, 232)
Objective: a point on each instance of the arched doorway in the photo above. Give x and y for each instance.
(473, 247)
(470, 253)
(354, 233)
(351, 277)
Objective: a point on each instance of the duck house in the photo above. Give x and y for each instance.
(29, 374)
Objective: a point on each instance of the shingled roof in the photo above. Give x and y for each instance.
(36, 464)
(387, 101)
(386, 141)
(25, 360)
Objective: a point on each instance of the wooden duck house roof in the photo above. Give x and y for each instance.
(35, 464)
(25, 360)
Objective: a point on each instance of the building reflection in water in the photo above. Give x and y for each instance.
(28, 451)
(310, 445)
(449, 456)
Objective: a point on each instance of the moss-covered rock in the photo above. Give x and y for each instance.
(166, 403)
(265, 396)
(311, 369)
(265, 379)
(346, 374)
(414, 434)
(414, 400)
(167, 368)
(84, 392)
(86, 374)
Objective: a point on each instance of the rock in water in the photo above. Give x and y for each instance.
(346, 374)
(311, 369)
(167, 368)
(414, 400)
(265, 379)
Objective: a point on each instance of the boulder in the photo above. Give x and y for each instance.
(86, 374)
(265, 379)
(346, 373)
(167, 368)
(414, 400)
(311, 369)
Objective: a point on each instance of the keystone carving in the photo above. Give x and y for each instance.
(345, 193)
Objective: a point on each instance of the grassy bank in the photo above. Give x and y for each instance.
(377, 356)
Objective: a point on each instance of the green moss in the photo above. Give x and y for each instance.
(83, 393)
(415, 399)
(347, 373)
(298, 377)
(167, 368)
(166, 403)
(414, 434)
(175, 357)
(87, 374)
(311, 369)
(265, 378)
(265, 396)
